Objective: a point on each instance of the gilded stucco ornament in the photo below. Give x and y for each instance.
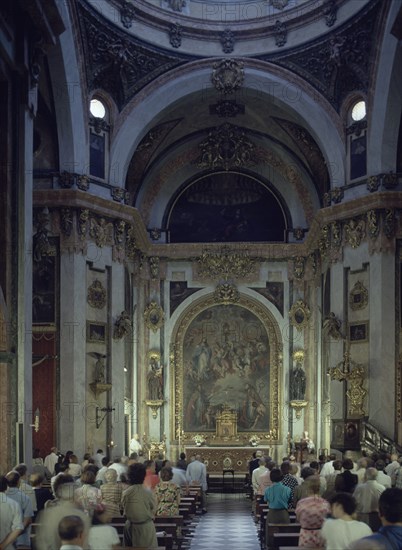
(373, 183)
(83, 222)
(389, 223)
(227, 75)
(131, 243)
(101, 231)
(336, 234)
(325, 240)
(358, 296)
(154, 262)
(119, 233)
(96, 295)
(354, 232)
(226, 293)
(299, 267)
(154, 316)
(373, 225)
(299, 315)
(225, 263)
(66, 221)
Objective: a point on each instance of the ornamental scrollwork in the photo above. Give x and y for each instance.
(355, 232)
(154, 316)
(299, 315)
(358, 297)
(228, 75)
(226, 293)
(225, 263)
(96, 295)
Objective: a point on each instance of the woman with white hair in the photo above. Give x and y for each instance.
(112, 491)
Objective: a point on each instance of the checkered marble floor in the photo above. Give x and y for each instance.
(228, 524)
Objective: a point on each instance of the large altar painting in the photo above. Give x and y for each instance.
(226, 361)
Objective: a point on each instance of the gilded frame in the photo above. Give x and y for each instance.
(299, 315)
(154, 316)
(272, 432)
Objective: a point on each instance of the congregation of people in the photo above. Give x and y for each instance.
(91, 493)
(340, 504)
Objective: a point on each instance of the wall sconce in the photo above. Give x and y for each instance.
(35, 425)
(99, 418)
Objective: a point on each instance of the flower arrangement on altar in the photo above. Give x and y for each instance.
(199, 440)
(254, 440)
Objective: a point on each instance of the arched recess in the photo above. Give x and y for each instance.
(226, 206)
(385, 118)
(226, 353)
(304, 103)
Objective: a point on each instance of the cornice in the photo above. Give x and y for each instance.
(59, 198)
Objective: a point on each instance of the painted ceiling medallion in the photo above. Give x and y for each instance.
(227, 75)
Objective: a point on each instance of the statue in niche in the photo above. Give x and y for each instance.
(100, 367)
(122, 326)
(155, 380)
(297, 383)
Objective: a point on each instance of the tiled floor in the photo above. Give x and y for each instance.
(228, 524)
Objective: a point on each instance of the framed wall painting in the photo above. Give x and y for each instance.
(226, 356)
(358, 332)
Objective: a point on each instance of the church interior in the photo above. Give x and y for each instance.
(200, 227)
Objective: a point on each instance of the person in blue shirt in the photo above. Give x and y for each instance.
(389, 535)
(278, 497)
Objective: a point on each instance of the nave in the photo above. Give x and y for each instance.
(228, 524)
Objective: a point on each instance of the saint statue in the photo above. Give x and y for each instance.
(155, 381)
(297, 383)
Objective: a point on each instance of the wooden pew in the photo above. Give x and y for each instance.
(285, 539)
(283, 528)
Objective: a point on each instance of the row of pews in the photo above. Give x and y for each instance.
(277, 536)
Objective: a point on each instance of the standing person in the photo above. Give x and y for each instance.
(74, 469)
(346, 482)
(389, 536)
(367, 496)
(342, 529)
(42, 494)
(26, 487)
(51, 460)
(11, 525)
(100, 476)
(382, 477)
(72, 534)
(47, 536)
(278, 497)
(13, 480)
(196, 474)
(289, 480)
(182, 462)
(167, 494)
(135, 445)
(99, 455)
(310, 513)
(139, 508)
(88, 496)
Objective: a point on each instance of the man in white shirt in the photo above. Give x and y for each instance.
(392, 466)
(119, 466)
(328, 467)
(196, 473)
(100, 476)
(51, 460)
(367, 496)
(11, 525)
(382, 477)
